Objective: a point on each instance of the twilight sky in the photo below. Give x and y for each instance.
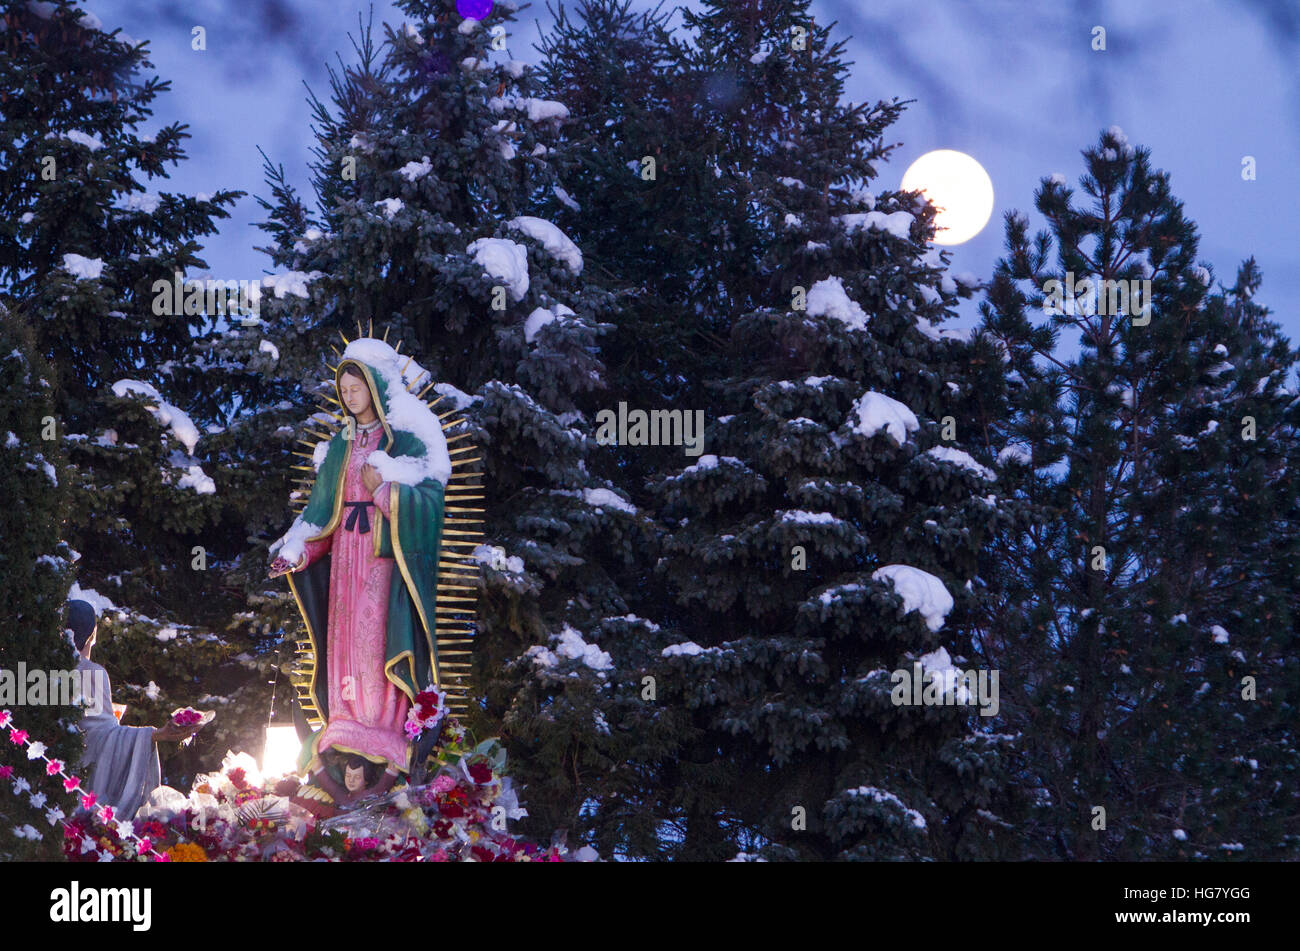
(1202, 83)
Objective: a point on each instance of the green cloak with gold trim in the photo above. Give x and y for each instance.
(411, 536)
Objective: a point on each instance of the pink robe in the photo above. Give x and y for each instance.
(367, 711)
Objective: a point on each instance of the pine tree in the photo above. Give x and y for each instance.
(438, 242)
(771, 699)
(1137, 605)
(83, 247)
(34, 566)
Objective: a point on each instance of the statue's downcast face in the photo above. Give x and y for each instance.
(355, 393)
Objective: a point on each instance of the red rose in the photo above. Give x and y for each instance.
(236, 776)
(480, 772)
(452, 810)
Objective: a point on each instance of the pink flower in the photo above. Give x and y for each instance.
(444, 783)
(161, 857)
(6, 772)
(88, 800)
(54, 767)
(106, 814)
(413, 729)
(144, 846)
(72, 784)
(439, 856)
(17, 737)
(5, 717)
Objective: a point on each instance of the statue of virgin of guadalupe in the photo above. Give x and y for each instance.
(362, 561)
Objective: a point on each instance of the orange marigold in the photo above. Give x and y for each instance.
(187, 852)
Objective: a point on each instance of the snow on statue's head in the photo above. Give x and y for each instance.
(396, 371)
(394, 381)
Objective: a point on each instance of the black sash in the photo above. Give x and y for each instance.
(358, 510)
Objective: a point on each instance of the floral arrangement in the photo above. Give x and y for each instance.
(187, 717)
(426, 712)
(458, 815)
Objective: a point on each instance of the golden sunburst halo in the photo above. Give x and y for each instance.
(456, 614)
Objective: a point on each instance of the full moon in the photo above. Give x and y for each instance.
(958, 187)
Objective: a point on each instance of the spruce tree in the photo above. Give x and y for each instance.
(1147, 592)
(617, 159)
(800, 299)
(84, 249)
(34, 579)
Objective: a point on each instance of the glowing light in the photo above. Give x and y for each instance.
(280, 756)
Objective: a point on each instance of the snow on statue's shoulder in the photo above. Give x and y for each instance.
(920, 591)
(406, 412)
(876, 411)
